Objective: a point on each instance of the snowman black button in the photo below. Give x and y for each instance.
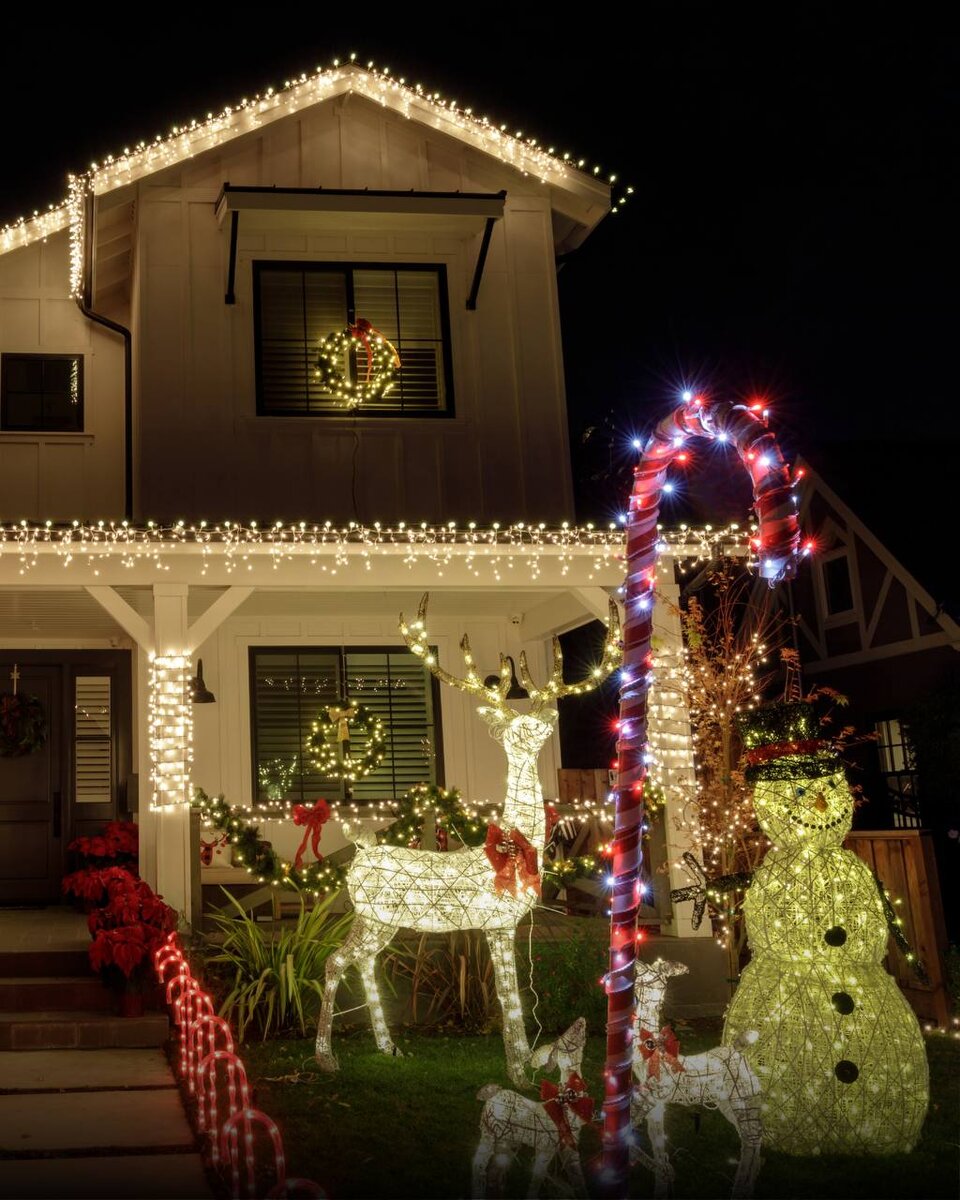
(836, 935)
(846, 1071)
(843, 1003)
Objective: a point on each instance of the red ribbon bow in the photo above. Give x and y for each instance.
(314, 818)
(514, 861)
(656, 1049)
(361, 330)
(574, 1096)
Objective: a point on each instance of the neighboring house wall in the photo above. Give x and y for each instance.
(502, 455)
(60, 476)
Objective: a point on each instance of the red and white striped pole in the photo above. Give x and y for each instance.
(777, 546)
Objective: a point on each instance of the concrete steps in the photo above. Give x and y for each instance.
(72, 1030)
(84, 993)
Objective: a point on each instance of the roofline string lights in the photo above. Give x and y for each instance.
(777, 543)
(376, 83)
(498, 548)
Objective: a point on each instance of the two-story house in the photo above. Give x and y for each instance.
(177, 482)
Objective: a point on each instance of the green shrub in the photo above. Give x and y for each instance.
(566, 976)
(277, 974)
(449, 977)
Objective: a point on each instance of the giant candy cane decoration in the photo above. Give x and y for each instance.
(777, 544)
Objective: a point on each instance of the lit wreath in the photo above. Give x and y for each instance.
(332, 729)
(23, 725)
(382, 365)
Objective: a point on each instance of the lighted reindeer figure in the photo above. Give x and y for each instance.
(549, 1127)
(721, 1079)
(490, 888)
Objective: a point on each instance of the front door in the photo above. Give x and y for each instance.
(32, 797)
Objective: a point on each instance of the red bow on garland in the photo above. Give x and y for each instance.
(556, 1101)
(361, 330)
(514, 861)
(314, 818)
(656, 1049)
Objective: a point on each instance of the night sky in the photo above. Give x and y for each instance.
(792, 232)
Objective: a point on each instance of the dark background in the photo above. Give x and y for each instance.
(791, 234)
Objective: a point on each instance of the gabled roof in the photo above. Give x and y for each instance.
(559, 171)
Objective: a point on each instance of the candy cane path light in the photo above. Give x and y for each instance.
(488, 888)
(244, 1120)
(777, 546)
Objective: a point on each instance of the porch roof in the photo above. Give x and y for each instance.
(352, 558)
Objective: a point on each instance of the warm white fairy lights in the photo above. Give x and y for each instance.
(171, 728)
(720, 1079)
(840, 1055)
(550, 1127)
(376, 83)
(489, 888)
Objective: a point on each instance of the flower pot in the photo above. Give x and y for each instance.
(132, 1004)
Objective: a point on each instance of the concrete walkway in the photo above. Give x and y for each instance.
(84, 1122)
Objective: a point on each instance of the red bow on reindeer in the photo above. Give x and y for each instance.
(656, 1049)
(361, 330)
(314, 818)
(574, 1096)
(514, 861)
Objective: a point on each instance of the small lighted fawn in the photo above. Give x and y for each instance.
(489, 888)
(721, 1079)
(549, 1127)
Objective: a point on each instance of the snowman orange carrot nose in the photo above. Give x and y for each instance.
(820, 804)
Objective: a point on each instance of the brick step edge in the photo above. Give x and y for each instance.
(30, 964)
(89, 1031)
(46, 993)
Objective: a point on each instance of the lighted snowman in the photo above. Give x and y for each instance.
(840, 1056)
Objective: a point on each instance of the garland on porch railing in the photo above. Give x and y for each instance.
(423, 800)
(261, 860)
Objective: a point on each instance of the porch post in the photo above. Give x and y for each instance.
(671, 741)
(170, 731)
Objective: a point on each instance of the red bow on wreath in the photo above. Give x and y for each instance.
(314, 818)
(361, 330)
(656, 1049)
(514, 861)
(574, 1096)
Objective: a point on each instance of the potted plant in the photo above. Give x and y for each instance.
(116, 849)
(126, 929)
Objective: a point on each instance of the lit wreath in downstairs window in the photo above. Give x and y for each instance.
(373, 381)
(329, 741)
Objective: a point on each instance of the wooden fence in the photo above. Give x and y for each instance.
(904, 860)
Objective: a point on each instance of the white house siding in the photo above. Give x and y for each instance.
(60, 476)
(473, 761)
(503, 456)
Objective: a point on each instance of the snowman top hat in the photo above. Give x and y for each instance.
(785, 741)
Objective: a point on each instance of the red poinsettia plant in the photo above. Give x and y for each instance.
(128, 927)
(116, 849)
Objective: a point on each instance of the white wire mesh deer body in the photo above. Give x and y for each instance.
(718, 1079)
(394, 888)
(511, 1122)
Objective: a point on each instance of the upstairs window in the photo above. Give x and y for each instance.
(297, 304)
(41, 393)
(291, 687)
(898, 765)
(837, 584)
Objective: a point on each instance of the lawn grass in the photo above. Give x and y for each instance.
(408, 1127)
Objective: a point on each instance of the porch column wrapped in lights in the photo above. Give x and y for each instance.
(777, 545)
(171, 729)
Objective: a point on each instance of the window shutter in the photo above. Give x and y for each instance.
(93, 741)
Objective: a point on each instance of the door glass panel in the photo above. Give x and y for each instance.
(93, 740)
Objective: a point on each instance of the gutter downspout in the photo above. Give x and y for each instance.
(84, 300)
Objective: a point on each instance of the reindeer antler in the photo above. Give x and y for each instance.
(415, 636)
(554, 688)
